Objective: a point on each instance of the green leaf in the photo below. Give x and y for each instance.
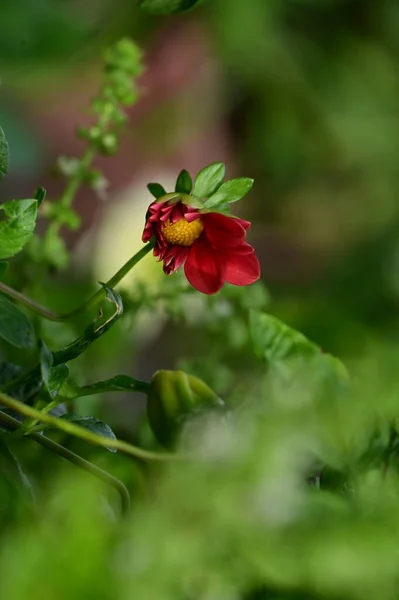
(40, 195)
(46, 362)
(166, 7)
(273, 340)
(92, 424)
(17, 225)
(156, 190)
(3, 269)
(11, 471)
(15, 326)
(184, 182)
(57, 377)
(95, 330)
(4, 154)
(23, 391)
(209, 180)
(121, 383)
(290, 352)
(231, 191)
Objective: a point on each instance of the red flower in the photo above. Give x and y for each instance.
(211, 245)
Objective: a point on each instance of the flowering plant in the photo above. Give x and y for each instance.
(259, 466)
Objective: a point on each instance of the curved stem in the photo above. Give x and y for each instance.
(90, 303)
(85, 434)
(73, 458)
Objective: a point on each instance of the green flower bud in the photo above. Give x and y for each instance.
(173, 397)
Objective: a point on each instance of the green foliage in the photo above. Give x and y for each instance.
(56, 379)
(3, 269)
(4, 154)
(92, 424)
(230, 191)
(184, 183)
(15, 327)
(166, 7)
(156, 190)
(46, 362)
(209, 180)
(68, 388)
(17, 225)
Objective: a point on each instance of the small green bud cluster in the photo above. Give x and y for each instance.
(122, 66)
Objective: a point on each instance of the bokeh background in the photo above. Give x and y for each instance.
(299, 94)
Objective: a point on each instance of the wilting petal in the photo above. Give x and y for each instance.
(204, 269)
(191, 216)
(174, 259)
(222, 231)
(242, 269)
(148, 232)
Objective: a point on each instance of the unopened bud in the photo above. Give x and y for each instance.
(174, 396)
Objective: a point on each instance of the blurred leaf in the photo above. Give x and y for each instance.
(40, 195)
(209, 180)
(274, 340)
(231, 191)
(166, 7)
(184, 182)
(156, 190)
(10, 469)
(4, 154)
(92, 424)
(23, 391)
(3, 269)
(95, 330)
(57, 377)
(46, 362)
(121, 383)
(15, 326)
(17, 225)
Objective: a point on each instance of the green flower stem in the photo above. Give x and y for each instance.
(84, 434)
(77, 460)
(90, 303)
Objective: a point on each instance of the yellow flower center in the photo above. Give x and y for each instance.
(182, 232)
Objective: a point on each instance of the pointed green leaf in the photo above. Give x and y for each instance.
(4, 154)
(57, 377)
(92, 424)
(156, 190)
(17, 224)
(209, 180)
(121, 383)
(166, 7)
(231, 191)
(15, 326)
(40, 195)
(184, 182)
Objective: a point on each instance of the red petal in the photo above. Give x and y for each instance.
(222, 231)
(204, 268)
(245, 224)
(242, 269)
(174, 259)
